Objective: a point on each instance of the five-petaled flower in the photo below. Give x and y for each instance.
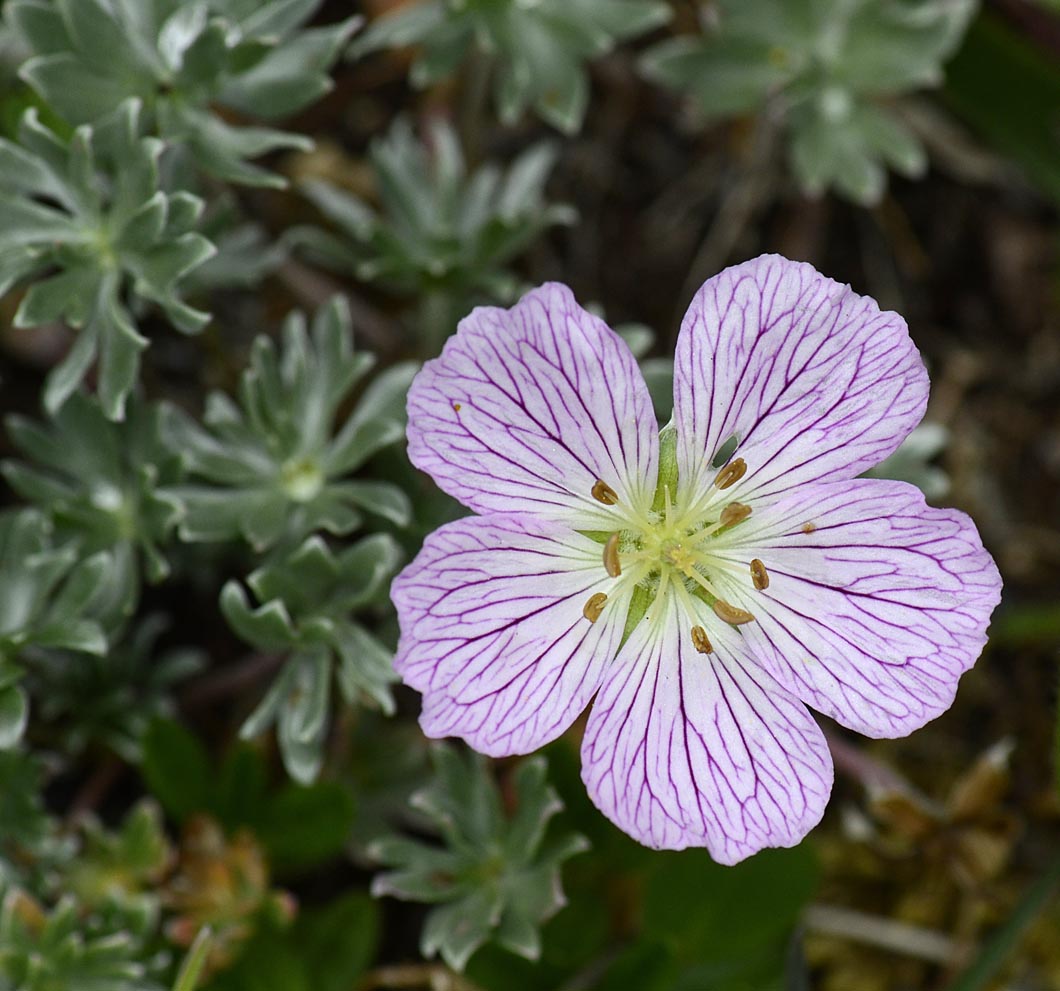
(700, 606)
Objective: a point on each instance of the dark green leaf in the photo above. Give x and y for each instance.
(177, 769)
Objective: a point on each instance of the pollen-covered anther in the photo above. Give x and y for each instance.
(734, 513)
(602, 492)
(759, 575)
(731, 614)
(700, 640)
(731, 473)
(594, 606)
(612, 565)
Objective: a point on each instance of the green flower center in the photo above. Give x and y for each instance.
(672, 548)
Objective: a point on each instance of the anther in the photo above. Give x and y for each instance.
(734, 513)
(730, 614)
(700, 641)
(731, 473)
(594, 606)
(759, 575)
(612, 565)
(602, 492)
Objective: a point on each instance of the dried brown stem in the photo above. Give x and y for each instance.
(229, 680)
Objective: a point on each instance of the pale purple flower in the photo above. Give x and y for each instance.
(699, 610)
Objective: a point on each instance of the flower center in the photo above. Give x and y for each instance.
(672, 549)
(675, 553)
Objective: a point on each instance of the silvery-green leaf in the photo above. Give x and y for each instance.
(178, 32)
(75, 90)
(381, 498)
(365, 665)
(267, 627)
(39, 24)
(14, 714)
(292, 75)
(67, 294)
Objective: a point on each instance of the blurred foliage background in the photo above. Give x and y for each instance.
(230, 232)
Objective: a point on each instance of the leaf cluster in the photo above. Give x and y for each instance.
(536, 51)
(54, 950)
(110, 699)
(92, 920)
(184, 60)
(90, 211)
(492, 877)
(102, 484)
(273, 469)
(50, 600)
(828, 70)
(305, 603)
(440, 230)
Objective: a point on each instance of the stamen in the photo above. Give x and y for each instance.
(602, 492)
(700, 641)
(759, 575)
(734, 513)
(612, 565)
(594, 606)
(731, 473)
(731, 614)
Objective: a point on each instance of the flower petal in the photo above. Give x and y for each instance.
(689, 749)
(493, 631)
(813, 380)
(527, 408)
(872, 616)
